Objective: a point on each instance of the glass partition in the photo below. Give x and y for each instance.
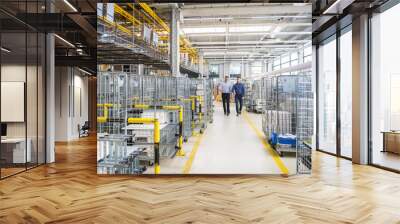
(15, 150)
(22, 90)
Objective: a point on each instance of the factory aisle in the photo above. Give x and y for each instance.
(231, 145)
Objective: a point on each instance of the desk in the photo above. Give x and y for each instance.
(391, 141)
(13, 150)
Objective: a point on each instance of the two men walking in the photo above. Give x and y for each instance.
(227, 89)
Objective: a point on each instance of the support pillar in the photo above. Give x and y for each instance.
(226, 68)
(201, 64)
(360, 90)
(174, 42)
(50, 99)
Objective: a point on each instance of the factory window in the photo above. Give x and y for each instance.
(285, 65)
(214, 70)
(256, 67)
(308, 53)
(285, 58)
(294, 58)
(235, 69)
(277, 64)
(327, 96)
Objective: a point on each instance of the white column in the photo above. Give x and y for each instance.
(314, 87)
(50, 99)
(226, 68)
(201, 64)
(174, 42)
(360, 90)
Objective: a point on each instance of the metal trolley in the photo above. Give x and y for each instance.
(143, 119)
(287, 119)
(257, 97)
(248, 97)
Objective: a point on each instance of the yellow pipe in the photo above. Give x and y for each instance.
(105, 105)
(141, 106)
(103, 119)
(156, 124)
(180, 152)
(141, 120)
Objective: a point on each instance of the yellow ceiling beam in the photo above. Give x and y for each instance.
(118, 9)
(154, 15)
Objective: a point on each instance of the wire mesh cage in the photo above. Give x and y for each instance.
(305, 122)
(248, 97)
(258, 96)
(209, 100)
(198, 95)
(111, 98)
(183, 96)
(129, 148)
(287, 119)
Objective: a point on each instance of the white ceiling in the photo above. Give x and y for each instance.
(246, 31)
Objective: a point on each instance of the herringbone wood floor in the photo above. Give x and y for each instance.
(69, 191)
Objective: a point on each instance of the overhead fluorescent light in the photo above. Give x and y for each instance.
(64, 40)
(276, 30)
(249, 28)
(204, 30)
(208, 18)
(70, 5)
(86, 72)
(5, 50)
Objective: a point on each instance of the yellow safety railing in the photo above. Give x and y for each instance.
(200, 100)
(178, 108)
(156, 134)
(104, 118)
(118, 9)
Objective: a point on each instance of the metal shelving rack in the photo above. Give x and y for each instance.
(125, 148)
(288, 116)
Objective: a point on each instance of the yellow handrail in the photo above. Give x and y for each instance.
(178, 108)
(156, 134)
(104, 118)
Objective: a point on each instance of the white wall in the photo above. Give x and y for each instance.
(71, 102)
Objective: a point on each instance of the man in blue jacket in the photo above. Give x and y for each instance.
(239, 91)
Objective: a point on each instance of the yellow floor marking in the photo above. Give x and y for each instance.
(270, 150)
(189, 162)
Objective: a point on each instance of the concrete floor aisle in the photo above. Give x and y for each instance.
(230, 145)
